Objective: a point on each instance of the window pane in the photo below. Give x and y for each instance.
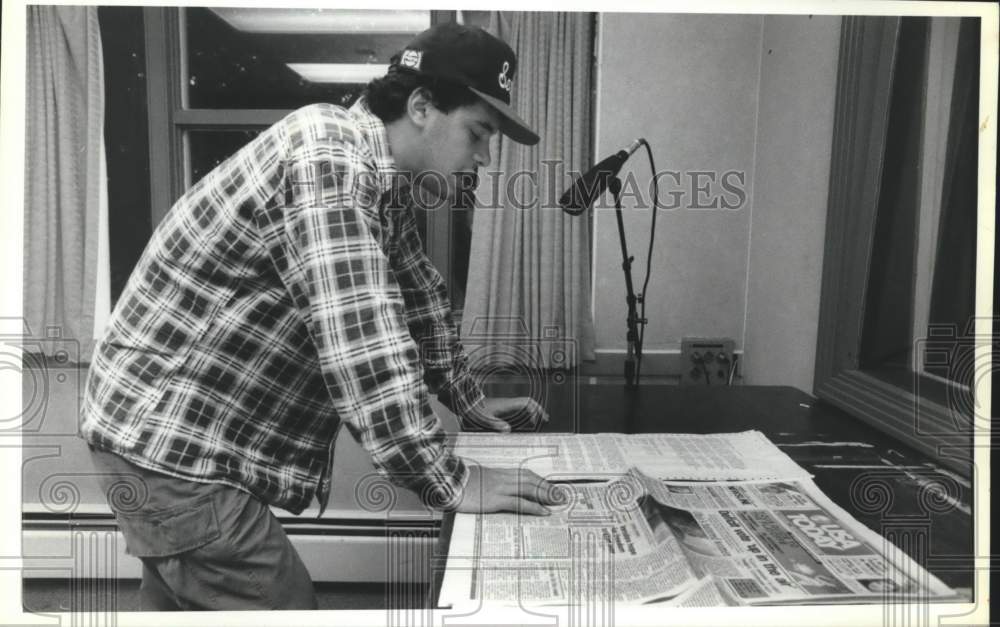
(287, 58)
(207, 149)
(887, 335)
(919, 304)
(952, 299)
(126, 127)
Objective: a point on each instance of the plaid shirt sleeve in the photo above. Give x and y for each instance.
(428, 312)
(344, 287)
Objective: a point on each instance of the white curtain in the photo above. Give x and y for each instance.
(529, 267)
(66, 270)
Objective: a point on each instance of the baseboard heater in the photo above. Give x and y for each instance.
(333, 549)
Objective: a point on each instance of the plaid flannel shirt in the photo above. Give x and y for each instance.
(285, 292)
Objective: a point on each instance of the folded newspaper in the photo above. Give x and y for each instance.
(640, 539)
(744, 455)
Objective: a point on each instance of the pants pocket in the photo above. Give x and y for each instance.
(172, 531)
(250, 566)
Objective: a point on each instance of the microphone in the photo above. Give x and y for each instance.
(585, 190)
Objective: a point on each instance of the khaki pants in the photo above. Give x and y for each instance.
(203, 546)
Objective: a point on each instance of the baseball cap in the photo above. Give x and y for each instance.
(475, 59)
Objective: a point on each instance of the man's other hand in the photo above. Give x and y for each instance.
(499, 414)
(502, 490)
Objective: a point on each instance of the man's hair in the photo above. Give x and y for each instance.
(387, 95)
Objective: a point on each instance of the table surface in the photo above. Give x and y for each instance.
(885, 485)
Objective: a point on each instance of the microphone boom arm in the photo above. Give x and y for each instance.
(579, 197)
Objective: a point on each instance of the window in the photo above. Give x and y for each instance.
(218, 76)
(897, 324)
(125, 128)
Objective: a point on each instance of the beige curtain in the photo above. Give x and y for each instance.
(65, 266)
(529, 267)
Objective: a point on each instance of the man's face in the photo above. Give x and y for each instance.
(455, 145)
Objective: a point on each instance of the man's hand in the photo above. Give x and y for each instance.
(501, 490)
(499, 414)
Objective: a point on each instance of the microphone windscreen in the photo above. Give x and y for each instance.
(586, 188)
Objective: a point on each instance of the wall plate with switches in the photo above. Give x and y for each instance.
(708, 361)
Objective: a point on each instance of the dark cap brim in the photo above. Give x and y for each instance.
(511, 125)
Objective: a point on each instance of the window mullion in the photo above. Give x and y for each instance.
(228, 118)
(163, 98)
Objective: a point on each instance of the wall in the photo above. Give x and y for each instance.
(688, 85)
(740, 255)
(794, 141)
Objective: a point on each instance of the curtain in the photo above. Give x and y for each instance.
(529, 264)
(66, 262)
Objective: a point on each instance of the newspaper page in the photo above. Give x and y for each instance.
(785, 541)
(710, 457)
(640, 540)
(599, 544)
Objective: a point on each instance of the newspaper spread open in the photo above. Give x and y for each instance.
(638, 539)
(744, 455)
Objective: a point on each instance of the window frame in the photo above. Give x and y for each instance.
(169, 120)
(863, 97)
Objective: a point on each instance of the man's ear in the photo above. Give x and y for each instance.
(418, 106)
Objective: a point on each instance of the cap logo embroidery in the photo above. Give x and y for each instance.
(411, 59)
(504, 80)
